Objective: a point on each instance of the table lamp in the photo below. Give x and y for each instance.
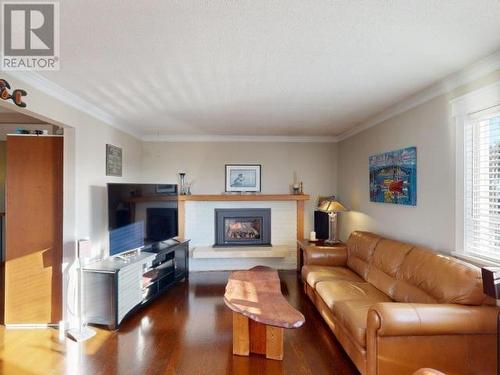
(332, 207)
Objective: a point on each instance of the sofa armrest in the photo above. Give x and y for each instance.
(410, 319)
(335, 256)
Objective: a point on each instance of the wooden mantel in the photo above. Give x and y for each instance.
(299, 198)
(244, 197)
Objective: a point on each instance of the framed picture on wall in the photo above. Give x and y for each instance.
(243, 178)
(113, 161)
(166, 189)
(393, 177)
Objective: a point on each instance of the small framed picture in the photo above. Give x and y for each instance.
(166, 189)
(243, 177)
(113, 161)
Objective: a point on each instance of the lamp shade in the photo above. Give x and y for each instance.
(331, 205)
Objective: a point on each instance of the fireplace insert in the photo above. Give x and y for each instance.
(243, 227)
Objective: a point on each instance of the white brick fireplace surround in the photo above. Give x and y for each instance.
(200, 227)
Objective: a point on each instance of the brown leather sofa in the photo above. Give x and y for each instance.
(396, 308)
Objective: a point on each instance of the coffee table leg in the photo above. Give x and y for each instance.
(274, 343)
(257, 337)
(241, 339)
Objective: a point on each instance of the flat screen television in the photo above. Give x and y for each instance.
(141, 215)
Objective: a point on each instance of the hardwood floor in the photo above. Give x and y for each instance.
(186, 331)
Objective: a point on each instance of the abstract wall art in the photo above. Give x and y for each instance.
(393, 177)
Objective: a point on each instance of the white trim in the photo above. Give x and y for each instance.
(474, 259)
(475, 71)
(459, 184)
(462, 108)
(238, 138)
(52, 89)
(475, 101)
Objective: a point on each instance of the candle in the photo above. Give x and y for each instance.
(312, 236)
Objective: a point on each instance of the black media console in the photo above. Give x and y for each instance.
(115, 287)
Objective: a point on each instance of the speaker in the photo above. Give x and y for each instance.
(491, 281)
(321, 222)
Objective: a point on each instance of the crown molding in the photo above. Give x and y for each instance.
(67, 97)
(477, 101)
(463, 77)
(238, 138)
(475, 71)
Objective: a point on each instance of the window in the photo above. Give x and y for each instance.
(481, 146)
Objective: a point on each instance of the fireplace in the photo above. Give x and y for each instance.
(243, 227)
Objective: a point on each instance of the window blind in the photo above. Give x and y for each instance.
(482, 186)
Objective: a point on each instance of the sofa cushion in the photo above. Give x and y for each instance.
(428, 277)
(385, 263)
(313, 274)
(360, 247)
(334, 291)
(353, 316)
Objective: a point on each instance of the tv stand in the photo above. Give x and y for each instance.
(171, 242)
(114, 288)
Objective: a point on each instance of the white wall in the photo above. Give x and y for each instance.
(430, 128)
(431, 222)
(91, 179)
(314, 163)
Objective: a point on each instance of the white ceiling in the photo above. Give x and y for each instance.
(260, 67)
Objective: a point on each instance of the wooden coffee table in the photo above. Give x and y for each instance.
(260, 312)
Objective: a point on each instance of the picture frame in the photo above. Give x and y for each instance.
(114, 156)
(166, 189)
(243, 178)
(393, 177)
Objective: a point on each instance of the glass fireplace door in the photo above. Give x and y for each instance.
(242, 229)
